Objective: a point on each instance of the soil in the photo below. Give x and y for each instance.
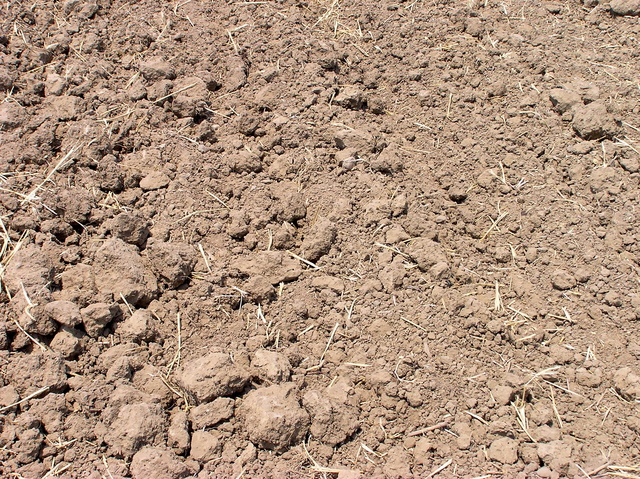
(323, 238)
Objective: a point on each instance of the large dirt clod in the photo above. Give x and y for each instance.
(120, 272)
(212, 376)
(135, 426)
(273, 417)
(158, 463)
(332, 421)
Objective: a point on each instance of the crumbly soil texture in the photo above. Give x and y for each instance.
(319, 239)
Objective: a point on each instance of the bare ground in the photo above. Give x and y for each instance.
(319, 239)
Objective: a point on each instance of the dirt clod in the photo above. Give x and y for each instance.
(30, 268)
(213, 376)
(426, 253)
(67, 342)
(140, 326)
(64, 312)
(178, 436)
(173, 262)
(135, 426)
(30, 372)
(319, 240)
(157, 69)
(564, 100)
(627, 383)
(594, 122)
(332, 421)
(205, 446)
(212, 413)
(276, 266)
(275, 417)
(119, 270)
(563, 280)
(625, 7)
(158, 463)
(129, 227)
(154, 181)
(271, 366)
(95, 317)
(504, 450)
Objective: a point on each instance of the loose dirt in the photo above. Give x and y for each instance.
(323, 238)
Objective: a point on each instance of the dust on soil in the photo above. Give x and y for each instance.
(322, 238)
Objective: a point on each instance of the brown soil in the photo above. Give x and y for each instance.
(319, 238)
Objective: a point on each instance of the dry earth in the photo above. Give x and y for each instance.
(319, 238)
